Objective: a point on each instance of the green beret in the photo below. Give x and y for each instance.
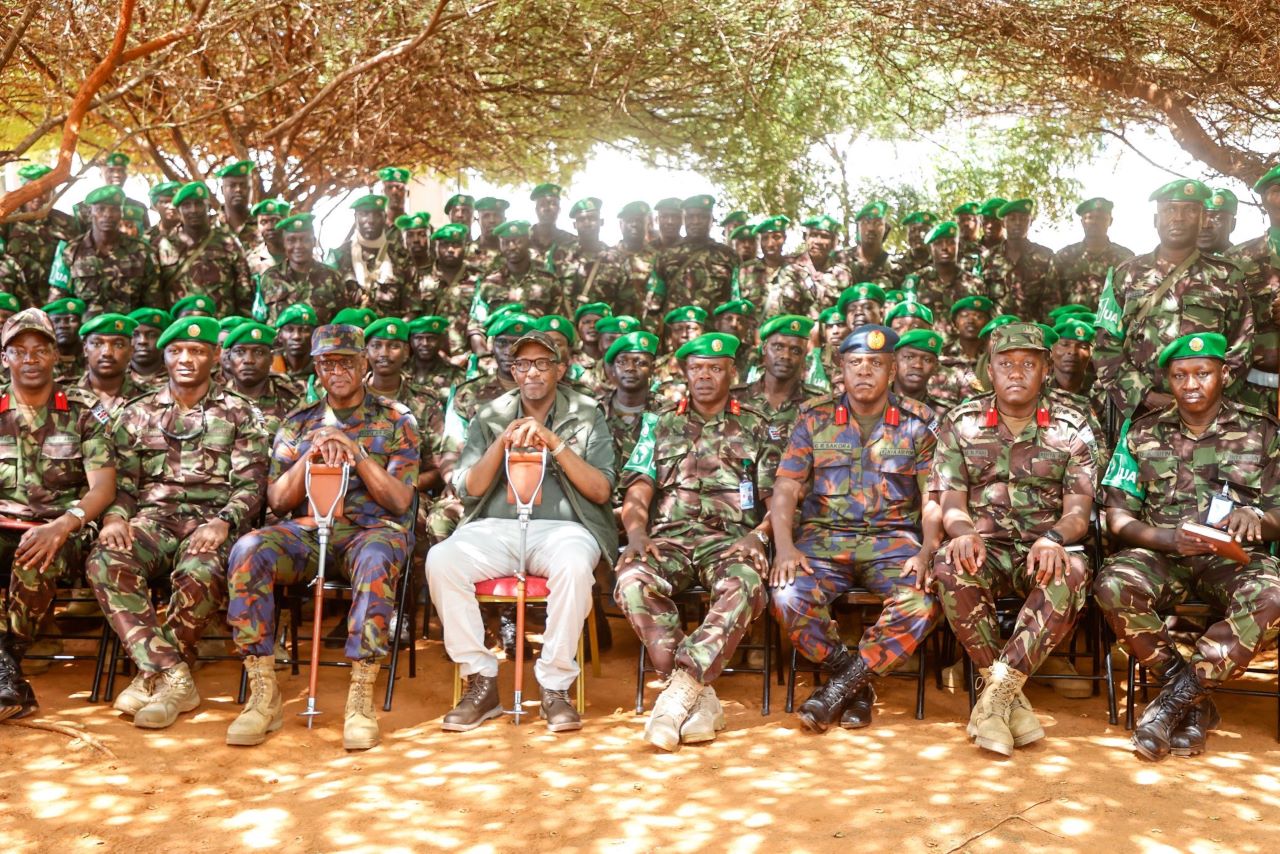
(991, 207)
(190, 329)
(295, 224)
(700, 202)
(153, 317)
(1025, 206)
(1271, 177)
(1097, 203)
(512, 228)
(557, 323)
(633, 342)
(411, 222)
(1198, 345)
(974, 302)
(193, 303)
(872, 210)
(822, 222)
(633, 209)
(743, 232)
(910, 308)
(777, 222)
(134, 211)
(108, 195)
(1223, 200)
(791, 325)
(429, 324)
(195, 190)
(395, 174)
(352, 316)
(894, 295)
(453, 232)
(740, 217)
(859, 292)
(1018, 336)
(8, 302)
(460, 200)
(66, 305)
(686, 314)
(239, 169)
(33, 171)
(743, 307)
(164, 190)
(250, 332)
(490, 203)
(1050, 337)
(1074, 329)
(298, 314)
(921, 339)
(505, 308)
(600, 309)
(370, 202)
(587, 205)
(618, 324)
(1063, 310)
(942, 231)
(669, 204)
(390, 328)
(271, 207)
(925, 218)
(1088, 317)
(118, 158)
(109, 324)
(1181, 190)
(831, 315)
(710, 345)
(512, 323)
(547, 189)
(231, 321)
(966, 209)
(342, 339)
(996, 322)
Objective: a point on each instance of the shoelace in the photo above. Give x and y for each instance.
(476, 689)
(549, 694)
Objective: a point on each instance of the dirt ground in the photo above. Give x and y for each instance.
(764, 785)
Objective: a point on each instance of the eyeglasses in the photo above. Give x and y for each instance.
(179, 417)
(523, 366)
(36, 354)
(331, 366)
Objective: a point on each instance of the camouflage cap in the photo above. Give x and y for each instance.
(410, 222)
(542, 339)
(669, 205)
(557, 323)
(942, 231)
(66, 305)
(966, 209)
(700, 202)
(910, 308)
(353, 316)
(190, 329)
(743, 307)
(791, 325)
(271, 207)
(686, 314)
(633, 342)
(239, 169)
(872, 210)
(921, 339)
(1097, 203)
(195, 190)
(1272, 176)
(618, 324)
(732, 217)
(194, 303)
(118, 158)
(388, 328)
(250, 332)
(587, 205)
(973, 302)
(460, 200)
(710, 345)
(430, 324)
(870, 338)
(154, 317)
(8, 302)
(27, 320)
(1074, 329)
(341, 339)
(452, 232)
(1223, 200)
(996, 322)
(1025, 206)
(1018, 336)
(1181, 190)
(599, 309)
(858, 293)
(991, 207)
(296, 224)
(512, 228)
(163, 190)
(108, 195)
(544, 189)
(298, 314)
(370, 202)
(1198, 345)
(631, 210)
(775, 223)
(491, 203)
(394, 174)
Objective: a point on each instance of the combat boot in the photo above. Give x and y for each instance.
(858, 713)
(671, 709)
(827, 703)
(558, 711)
(360, 728)
(175, 692)
(478, 704)
(17, 699)
(990, 721)
(1192, 734)
(137, 695)
(706, 719)
(1166, 712)
(264, 712)
(1070, 689)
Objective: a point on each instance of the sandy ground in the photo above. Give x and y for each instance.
(764, 785)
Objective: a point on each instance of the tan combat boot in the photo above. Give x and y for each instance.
(175, 692)
(264, 713)
(360, 729)
(1023, 724)
(991, 722)
(706, 719)
(137, 695)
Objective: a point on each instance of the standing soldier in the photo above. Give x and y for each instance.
(1259, 261)
(192, 470)
(415, 235)
(698, 271)
(1219, 221)
(300, 278)
(594, 270)
(395, 186)
(698, 484)
(966, 220)
(146, 366)
(945, 281)
(1017, 471)
(115, 171)
(631, 360)
(33, 245)
(992, 224)
(670, 216)
(429, 341)
(635, 258)
(269, 251)
(168, 220)
(584, 320)
(956, 378)
(1018, 272)
(1082, 267)
(745, 244)
(771, 281)
(521, 278)
(737, 317)
(1072, 361)
(862, 304)
(57, 471)
(549, 245)
(372, 263)
(917, 256)
(826, 278)
(451, 287)
(107, 269)
(235, 214)
(867, 259)
(294, 327)
(486, 251)
(108, 347)
(66, 315)
(460, 209)
(916, 358)
(203, 258)
(247, 356)
(732, 221)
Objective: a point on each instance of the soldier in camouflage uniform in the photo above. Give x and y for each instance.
(486, 251)
(957, 378)
(834, 331)
(269, 250)
(916, 356)
(745, 244)
(1219, 221)
(1259, 261)
(379, 440)
(917, 256)
(862, 304)
(824, 277)
(1205, 460)
(589, 270)
(450, 289)
(395, 186)
(1072, 360)
(549, 245)
(909, 315)
(737, 317)
(415, 234)
(203, 258)
(630, 358)
(706, 469)
(108, 347)
(1017, 471)
(300, 278)
(429, 341)
(168, 220)
(991, 223)
(521, 278)
(698, 271)
(965, 216)
(461, 209)
(192, 470)
(1173, 291)
(235, 214)
(731, 222)
(634, 257)
(944, 281)
(778, 393)
(771, 281)
(560, 330)
(669, 213)
(503, 333)
(293, 328)
(680, 326)
(374, 263)
(859, 460)
(584, 321)
(33, 245)
(67, 314)
(599, 376)
(1018, 272)
(146, 365)
(1082, 267)
(108, 270)
(867, 259)
(246, 357)
(57, 474)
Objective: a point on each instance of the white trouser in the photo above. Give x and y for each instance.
(564, 553)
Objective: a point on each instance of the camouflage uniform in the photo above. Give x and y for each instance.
(84, 393)
(559, 249)
(1209, 297)
(786, 290)
(1081, 273)
(781, 420)
(825, 285)
(602, 277)
(693, 273)
(939, 297)
(11, 279)
(440, 376)
(1259, 261)
(915, 260)
(956, 378)
(124, 279)
(669, 386)
(1015, 487)
(261, 259)
(541, 292)
(166, 489)
(1177, 475)
(1031, 284)
(454, 302)
(637, 267)
(43, 468)
(321, 287)
(215, 267)
(625, 429)
(370, 545)
(387, 289)
(696, 468)
(32, 246)
(279, 398)
(483, 257)
(885, 271)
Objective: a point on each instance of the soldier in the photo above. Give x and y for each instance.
(916, 358)
(8, 302)
(115, 171)
(584, 319)
(908, 315)
(970, 246)
(917, 256)
(1259, 261)
(862, 304)
(630, 358)
(1082, 267)
(731, 222)
(521, 278)
(1219, 221)
(595, 272)
(387, 354)
(634, 257)
(247, 356)
(957, 377)
(1210, 461)
(415, 235)
(571, 529)
(373, 264)
(57, 472)
(67, 314)
(680, 326)
(294, 327)
(737, 317)
(429, 342)
(1071, 357)
(560, 330)
(1173, 291)
(269, 251)
(781, 387)
(860, 461)
(1017, 471)
(108, 270)
(168, 220)
(992, 224)
(504, 331)
(670, 215)
(549, 245)
(108, 347)
(146, 366)
(300, 278)
(235, 214)
(699, 271)
(460, 209)
(195, 305)
(33, 245)
(772, 282)
(395, 186)
(379, 440)
(1017, 271)
(705, 468)
(834, 331)
(867, 259)
(745, 244)
(826, 278)
(450, 288)
(486, 250)
(600, 376)
(133, 220)
(944, 281)
(192, 470)
(203, 258)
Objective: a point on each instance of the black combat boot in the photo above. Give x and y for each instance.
(17, 700)
(1192, 734)
(828, 701)
(1165, 713)
(858, 713)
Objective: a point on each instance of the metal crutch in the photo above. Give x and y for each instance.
(524, 511)
(324, 524)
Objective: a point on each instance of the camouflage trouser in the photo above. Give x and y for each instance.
(1136, 584)
(370, 558)
(1046, 618)
(644, 592)
(119, 580)
(30, 592)
(839, 564)
(438, 518)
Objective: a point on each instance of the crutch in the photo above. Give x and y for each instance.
(522, 461)
(326, 487)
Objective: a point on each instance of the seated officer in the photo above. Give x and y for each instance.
(57, 472)
(705, 467)
(1204, 459)
(192, 468)
(860, 461)
(1017, 470)
(571, 528)
(378, 438)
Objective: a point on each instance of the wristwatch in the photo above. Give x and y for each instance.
(764, 541)
(1262, 514)
(1054, 536)
(77, 511)
(226, 517)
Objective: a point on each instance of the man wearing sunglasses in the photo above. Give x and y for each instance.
(192, 465)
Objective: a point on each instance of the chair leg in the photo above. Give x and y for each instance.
(114, 660)
(104, 644)
(767, 676)
(777, 639)
(582, 674)
(1129, 719)
(457, 684)
(242, 695)
(921, 677)
(969, 678)
(791, 683)
(403, 588)
(594, 634)
(640, 681)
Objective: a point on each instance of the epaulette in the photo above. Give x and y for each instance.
(302, 406)
(745, 408)
(1254, 412)
(972, 406)
(917, 409)
(232, 393)
(394, 405)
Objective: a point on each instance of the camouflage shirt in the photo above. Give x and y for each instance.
(1031, 284)
(438, 377)
(540, 292)
(695, 272)
(825, 285)
(785, 290)
(780, 420)
(437, 450)
(451, 298)
(214, 266)
(913, 261)
(120, 279)
(32, 246)
(956, 378)
(1081, 273)
(261, 259)
(602, 277)
(484, 256)
(84, 393)
(1259, 262)
(559, 248)
(321, 287)
(885, 271)
(383, 284)
(637, 266)
(939, 296)
(279, 398)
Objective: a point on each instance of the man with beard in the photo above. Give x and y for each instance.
(680, 326)
(992, 224)
(770, 282)
(1018, 272)
(294, 327)
(33, 245)
(916, 358)
(1259, 261)
(395, 186)
(146, 366)
(108, 347)
(108, 270)
(374, 265)
(1082, 267)
(203, 258)
(630, 358)
(634, 257)
(956, 377)
(781, 389)
(867, 259)
(670, 215)
(235, 215)
(699, 271)
(429, 342)
(917, 256)
(944, 281)
(300, 278)
(450, 288)
(460, 209)
(270, 250)
(825, 277)
(168, 220)
(246, 368)
(521, 278)
(967, 223)
(549, 245)
(486, 250)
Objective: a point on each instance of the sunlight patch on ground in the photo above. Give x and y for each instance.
(261, 828)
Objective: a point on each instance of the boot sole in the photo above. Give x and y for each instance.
(1185, 751)
(456, 727)
(360, 745)
(813, 724)
(565, 727)
(1147, 754)
(148, 723)
(1030, 738)
(994, 746)
(254, 739)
